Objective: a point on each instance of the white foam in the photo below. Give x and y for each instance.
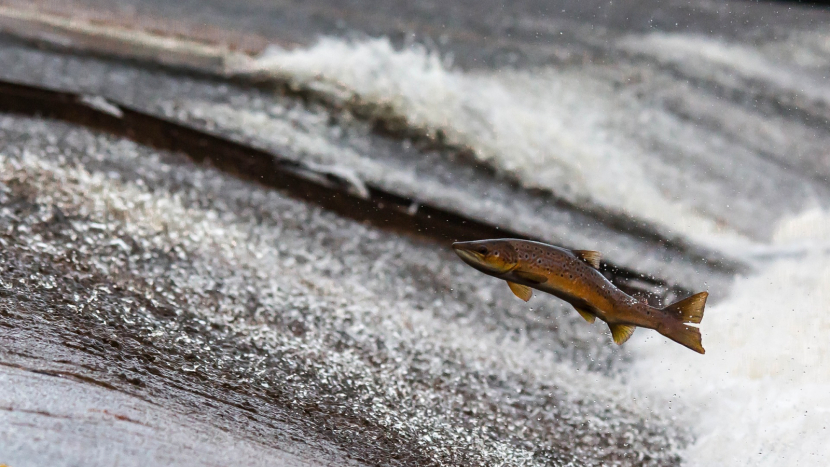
(761, 394)
(552, 129)
(812, 226)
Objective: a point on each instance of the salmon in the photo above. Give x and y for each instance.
(573, 276)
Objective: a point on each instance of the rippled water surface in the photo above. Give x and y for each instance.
(696, 155)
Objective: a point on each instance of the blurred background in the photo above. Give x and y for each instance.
(225, 231)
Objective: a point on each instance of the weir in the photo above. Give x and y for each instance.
(227, 239)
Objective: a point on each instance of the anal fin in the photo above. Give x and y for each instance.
(589, 317)
(621, 332)
(522, 291)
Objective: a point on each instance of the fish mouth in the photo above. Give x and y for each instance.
(469, 257)
(468, 252)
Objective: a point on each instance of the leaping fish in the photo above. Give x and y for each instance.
(573, 276)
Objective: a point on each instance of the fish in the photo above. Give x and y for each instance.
(574, 276)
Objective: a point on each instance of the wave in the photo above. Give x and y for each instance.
(549, 129)
(761, 395)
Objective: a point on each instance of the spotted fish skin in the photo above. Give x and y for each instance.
(573, 276)
(576, 282)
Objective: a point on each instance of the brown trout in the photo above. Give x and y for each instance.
(573, 276)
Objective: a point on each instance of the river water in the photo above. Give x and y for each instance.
(711, 136)
(760, 395)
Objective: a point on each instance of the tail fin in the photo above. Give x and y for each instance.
(688, 310)
(684, 335)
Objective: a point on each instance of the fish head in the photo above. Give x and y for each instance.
(488, 256)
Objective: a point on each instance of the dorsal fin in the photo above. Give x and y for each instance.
(621, 332)
(590, 257)
(522, 291)
(589, 317)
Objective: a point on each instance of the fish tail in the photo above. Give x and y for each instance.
(688, 310)
(683, 334)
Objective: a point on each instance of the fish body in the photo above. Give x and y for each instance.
(573, 276)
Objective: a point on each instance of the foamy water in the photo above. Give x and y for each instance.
(556, 130)
(761, 395)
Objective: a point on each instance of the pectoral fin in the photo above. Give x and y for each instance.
(590, 257)
(589, 317)
(522, 291)
(531, 277)
(621, 332)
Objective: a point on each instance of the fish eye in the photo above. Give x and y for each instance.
(482, 250)
(496, 254)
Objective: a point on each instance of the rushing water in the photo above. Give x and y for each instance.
(760, 395)
(714, 143)
(623, 137)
